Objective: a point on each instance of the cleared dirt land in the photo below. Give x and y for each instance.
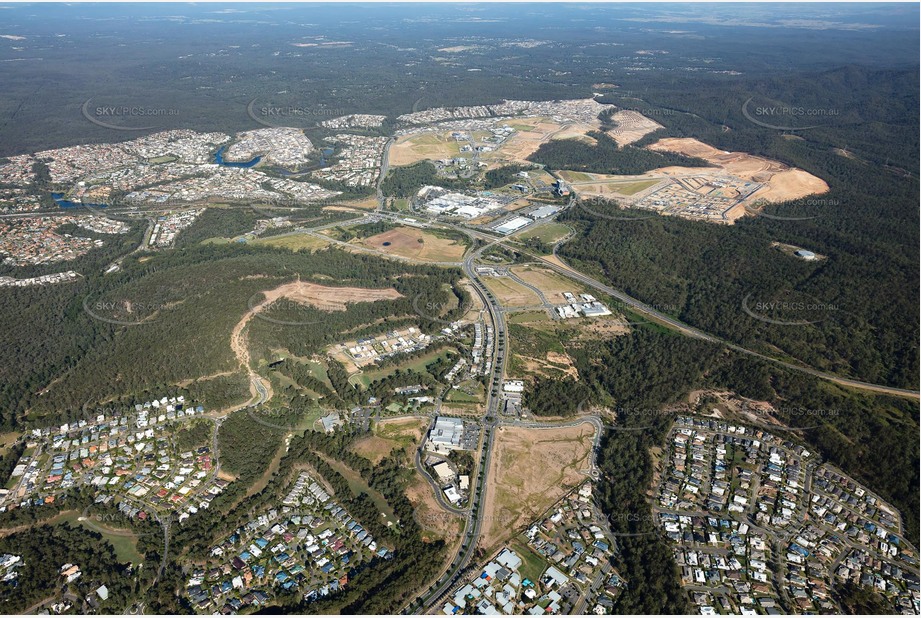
(410, 242)
(529, 471)
(631, 126)
(511, 294)
(548, 282)
(324, 297)
(530, 133)
(436, 522)
(782, 182)
(410, 149)
(368, 203)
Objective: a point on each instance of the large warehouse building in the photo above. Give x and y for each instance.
(447, 433)
(514, 224)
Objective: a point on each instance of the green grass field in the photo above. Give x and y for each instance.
(470, 391)
(632, 188)
(125, 544)
(163, 159)
(532, 565)
(293, 242)
(548, 232)
(574, 176)
(524, 125)
(528, 317)
(418, 364)
(6, 441)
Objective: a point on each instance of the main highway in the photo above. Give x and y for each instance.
(489, 423)
(556, 264)
(474, 520)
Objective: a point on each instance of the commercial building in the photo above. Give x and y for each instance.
(443, 471)
(447, 433)
(513, 224)
(543, 212)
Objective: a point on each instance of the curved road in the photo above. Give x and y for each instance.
(691, 331)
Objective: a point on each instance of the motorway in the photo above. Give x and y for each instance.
(690, 331)
(489, 422)
(558, 265)
(490, 419)
(449, 580)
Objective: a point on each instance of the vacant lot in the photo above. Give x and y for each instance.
(631, 126)
(410, 242)
(548, 282)
(510, 293)
(529, 471)
(529, 134)
(411, 149)
(391, 434)
(294, 242)
(365, 378)
(549, 233)
(406, 431)
(528, 317)
(571, 176)
(324, 297)
(367, 203)
(609, 185)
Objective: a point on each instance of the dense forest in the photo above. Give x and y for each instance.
(606, 157)
(190, 300)
(640, 373)
(501, 176)
(829, 312)
(45, 549)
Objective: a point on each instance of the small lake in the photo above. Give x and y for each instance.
(63, 203)
(219, 159)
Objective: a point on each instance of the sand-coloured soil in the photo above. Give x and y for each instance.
(530, 470)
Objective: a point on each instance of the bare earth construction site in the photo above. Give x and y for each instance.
(737, 184)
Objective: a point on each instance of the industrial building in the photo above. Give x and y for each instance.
(447, 433)
(543, 212)
(591, 308)
(443, 471)
(441, 202)
(513, 224)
